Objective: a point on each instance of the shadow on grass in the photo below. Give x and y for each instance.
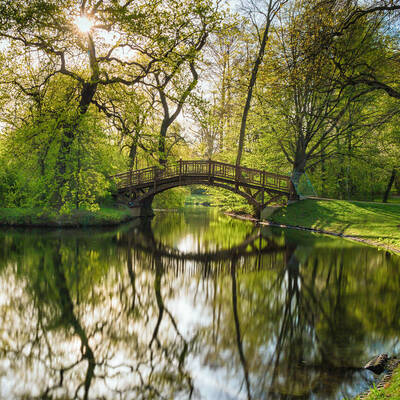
(361, 219)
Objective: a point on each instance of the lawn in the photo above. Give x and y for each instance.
(375, 223)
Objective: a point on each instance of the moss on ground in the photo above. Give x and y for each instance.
(374, 223)
(77, 218)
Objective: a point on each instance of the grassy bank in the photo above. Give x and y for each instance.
(373, 223)
(77, 218)
(390, 390)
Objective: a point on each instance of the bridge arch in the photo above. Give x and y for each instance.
(160, 189)
(139, 187)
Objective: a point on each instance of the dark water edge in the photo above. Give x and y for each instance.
(191, 305)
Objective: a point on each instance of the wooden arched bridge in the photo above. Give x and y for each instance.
(137, 188)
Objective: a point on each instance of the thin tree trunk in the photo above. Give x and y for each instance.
(162, 140)
(323, 172)
(133, 150)
(169, 119)
(253, 78)
(389, 186)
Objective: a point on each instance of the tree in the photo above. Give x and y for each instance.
(347, 17)
(272, 6)
(311, 106)
(178, 94)
(206, 115)
(118, 43)
(130, 111)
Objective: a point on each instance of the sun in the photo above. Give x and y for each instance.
(83, 23)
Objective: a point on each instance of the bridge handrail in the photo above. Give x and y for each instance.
(196, 168)
(285, 177)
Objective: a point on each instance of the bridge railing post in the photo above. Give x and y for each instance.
(180, 170)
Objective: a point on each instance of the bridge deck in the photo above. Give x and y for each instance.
(204, 171)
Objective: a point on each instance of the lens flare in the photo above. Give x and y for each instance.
(83, 23)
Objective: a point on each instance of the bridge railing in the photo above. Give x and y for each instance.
(206, 168)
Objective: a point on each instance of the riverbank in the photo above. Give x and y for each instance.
(389, 388)
(76, 219)
(376, 224)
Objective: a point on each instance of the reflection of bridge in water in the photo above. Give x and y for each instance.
(247, 248)
(293, 300)
(254, 252)
(282, 332)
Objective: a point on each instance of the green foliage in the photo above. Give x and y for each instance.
(314, 107)
(59, 161)
(229, 201)
(55, 74)
(76, 218)
(173, 198)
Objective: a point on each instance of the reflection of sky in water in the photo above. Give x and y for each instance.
(308, 307)
(211, 381)
(187, 244)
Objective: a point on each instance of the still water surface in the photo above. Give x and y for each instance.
(193, 305)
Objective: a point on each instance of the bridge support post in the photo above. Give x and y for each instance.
(143, 209)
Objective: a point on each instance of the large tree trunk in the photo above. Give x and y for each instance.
(68, 135)
(87, 94)
(389, 186)
(299, 164)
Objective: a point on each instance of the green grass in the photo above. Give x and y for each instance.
(394, 199)
(391, 390)
(375, 223)
(77, 218)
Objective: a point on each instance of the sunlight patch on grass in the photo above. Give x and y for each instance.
(375, 222)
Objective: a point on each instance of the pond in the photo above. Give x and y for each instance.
(192, 305)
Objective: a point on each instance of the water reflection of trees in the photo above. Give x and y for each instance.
(97, 316)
